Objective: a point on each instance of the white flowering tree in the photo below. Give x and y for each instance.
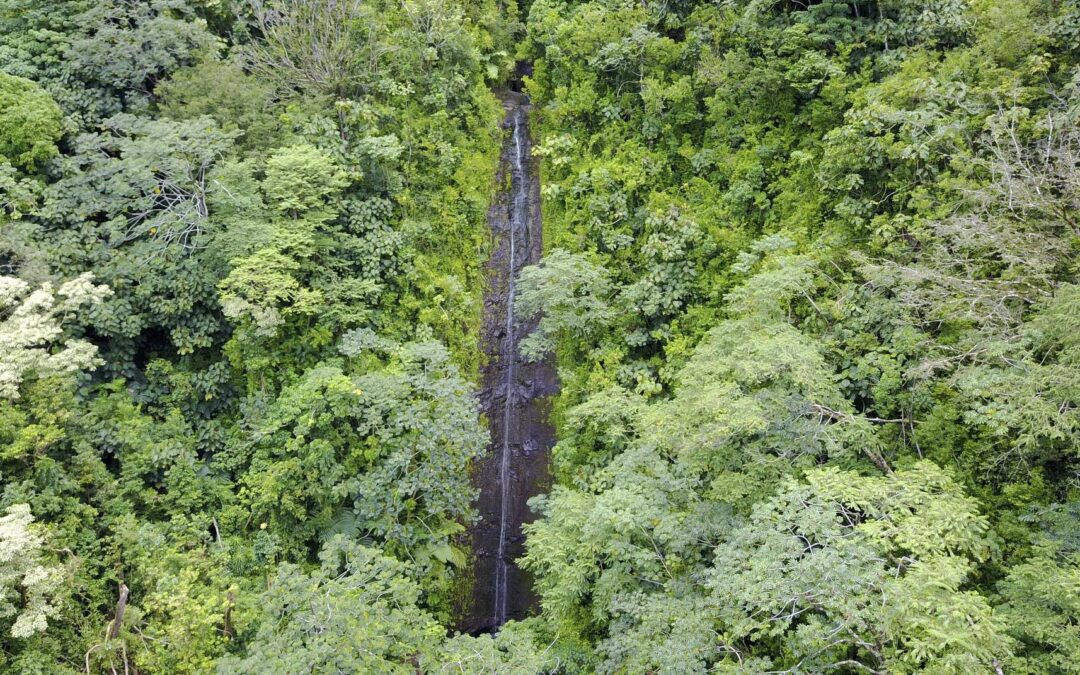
(32, 330)
(28, 582)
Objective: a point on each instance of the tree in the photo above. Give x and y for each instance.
(514, 649)
(29, 123)
(123, 49)
(568, 297)
(141, 180)
(32, 331)
(357, 613)
(382, 453)
(302, 185)
(866, 570)
(132, 198)
(317, 45)
(1041, 610)
(29, 581)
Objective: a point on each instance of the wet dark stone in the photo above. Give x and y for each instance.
(512, 394)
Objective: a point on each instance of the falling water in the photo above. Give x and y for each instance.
(513, 395)
(519, 215)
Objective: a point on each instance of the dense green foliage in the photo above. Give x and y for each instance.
(238, 319)
(811, 284)
(819, 408)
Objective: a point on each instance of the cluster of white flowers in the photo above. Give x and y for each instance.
(27, 583)
(32, 327)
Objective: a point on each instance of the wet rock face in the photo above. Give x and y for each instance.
(522, 70)
(515, 468)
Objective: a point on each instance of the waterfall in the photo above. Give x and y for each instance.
(513, 395)
(519, 214)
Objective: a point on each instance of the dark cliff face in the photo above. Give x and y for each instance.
(522, 70)
(515, 468)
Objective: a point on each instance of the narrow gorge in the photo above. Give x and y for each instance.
(515, 391)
